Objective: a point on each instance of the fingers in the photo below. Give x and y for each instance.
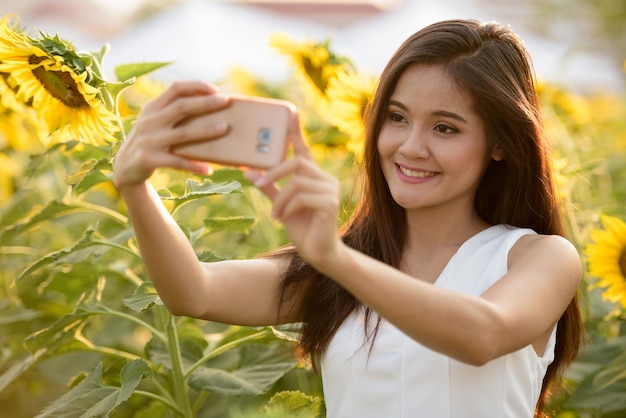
(295, 135)
(308, 187)
(303, 165)
(184, 117)
(202, 129)
(180, 103)
(319, 195)
(177, 90)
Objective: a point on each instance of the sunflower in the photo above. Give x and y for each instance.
(8, 170)
(22, 131)
(311, 59)
(48, 74)
(314, 63)
(20, 128)
(606, 258)
(7, 94)
(348, 95)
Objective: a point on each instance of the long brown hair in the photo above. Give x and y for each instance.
(489, 62)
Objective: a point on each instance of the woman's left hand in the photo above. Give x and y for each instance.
(308, 205)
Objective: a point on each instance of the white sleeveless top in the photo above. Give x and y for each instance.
(403, 379)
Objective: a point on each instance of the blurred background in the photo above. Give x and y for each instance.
(82, 299)
(578, 43)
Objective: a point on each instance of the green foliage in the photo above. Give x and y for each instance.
(288, 404)
(74, 286)
(588, 135)
(126, 72)
(93, 398)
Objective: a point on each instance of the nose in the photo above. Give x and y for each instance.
(415, 145)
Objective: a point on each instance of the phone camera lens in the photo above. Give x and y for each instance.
(265, 135)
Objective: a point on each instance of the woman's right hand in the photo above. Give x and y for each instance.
(160, 126)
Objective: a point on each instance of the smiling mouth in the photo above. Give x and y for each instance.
(417, 174)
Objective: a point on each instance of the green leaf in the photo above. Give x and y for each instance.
(209, 257)
(145, 296)
(197, 190)
(228, 174)
(132, 373)
(290, 332)
(46, 337)
(54, 45)
(191, 344)
(88, 175)
(611, 373)
(125, 72)
(294, 404)
(52, 210)
(235, 332)
(260, 367)
(191, 338)
(210, 187)
(57, 347)
(99, 55)
(18, 314)
(223, 382)
(608, 399)
(92, 398)
(38, 159)
(80, 251)
(232, 224)
(115, 89)
(18, 369)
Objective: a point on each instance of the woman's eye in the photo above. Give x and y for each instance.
(396, 117)
(445, 129)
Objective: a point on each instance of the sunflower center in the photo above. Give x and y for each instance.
(59, 84)
(622, 262)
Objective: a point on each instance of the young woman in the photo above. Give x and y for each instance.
(451, 292)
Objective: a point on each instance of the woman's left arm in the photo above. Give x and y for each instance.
(521, 308)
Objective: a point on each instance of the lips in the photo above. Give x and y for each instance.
(417, 173)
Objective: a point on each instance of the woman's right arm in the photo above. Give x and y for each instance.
(237, 292)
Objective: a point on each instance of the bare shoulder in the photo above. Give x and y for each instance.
(552, 244)
(549, 253)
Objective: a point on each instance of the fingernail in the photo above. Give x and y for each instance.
(219, 100)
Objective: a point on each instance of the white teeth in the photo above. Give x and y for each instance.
(419, 174)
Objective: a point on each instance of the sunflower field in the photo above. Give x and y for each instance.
(84, 334)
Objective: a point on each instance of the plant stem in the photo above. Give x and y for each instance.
(223, 348)
(136, 320)
(116, 216)
(202, 397)
(181, 394)
(165, 401)
(105, 350)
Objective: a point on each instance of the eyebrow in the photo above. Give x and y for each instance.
(443, 113)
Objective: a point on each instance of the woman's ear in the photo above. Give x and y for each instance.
(497, 153)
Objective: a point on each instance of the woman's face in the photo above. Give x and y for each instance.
(432, 145)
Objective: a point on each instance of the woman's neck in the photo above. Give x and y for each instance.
(429, 230)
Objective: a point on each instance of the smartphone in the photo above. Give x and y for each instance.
(257, 135)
